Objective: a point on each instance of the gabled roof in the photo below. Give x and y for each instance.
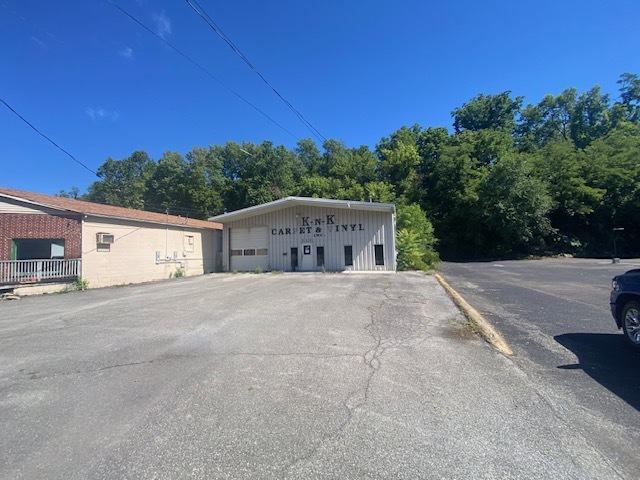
(100, 210)
(304, 201)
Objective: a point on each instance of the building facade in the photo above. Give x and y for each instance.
(45, 238)
(310, 234)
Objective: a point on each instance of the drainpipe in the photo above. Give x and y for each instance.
(166, 238)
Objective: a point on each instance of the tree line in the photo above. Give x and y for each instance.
(510, 179)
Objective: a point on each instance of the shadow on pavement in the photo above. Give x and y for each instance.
(608, 360)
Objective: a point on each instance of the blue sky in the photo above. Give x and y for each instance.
(101, 86)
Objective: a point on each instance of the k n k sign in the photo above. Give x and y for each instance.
(316, 226)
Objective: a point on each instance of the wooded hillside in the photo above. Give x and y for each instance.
(511, 179)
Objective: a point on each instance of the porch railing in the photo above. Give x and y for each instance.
(34, 271)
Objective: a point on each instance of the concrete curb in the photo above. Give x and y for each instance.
(487, 331)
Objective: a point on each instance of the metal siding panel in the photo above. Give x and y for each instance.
(249, 237)
(377, 229)
(225, 248)
(249, 263)
(15, 206)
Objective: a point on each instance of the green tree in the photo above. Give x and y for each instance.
(612, 165)
(357, 164)
(563, 169)
(123, 183)
(257, 174)
(430, 143)
(514, 207)
(548, 121)
(398, 166)
(166, 189)
(496, 112)
(381, 192)
(73, 193)
(452, 197)
(630, 96)
(319, 187)
(591, 118)
(309, 154)
(190, 187)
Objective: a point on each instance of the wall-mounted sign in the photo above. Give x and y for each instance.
(317, 227)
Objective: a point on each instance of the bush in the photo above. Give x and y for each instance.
(415, 240)
(81, 284)
(179, 273)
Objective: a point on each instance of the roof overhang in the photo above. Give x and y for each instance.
(302, 201)
(186, 223)
(37, 204)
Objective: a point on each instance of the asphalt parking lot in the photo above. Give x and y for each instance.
(270, 376)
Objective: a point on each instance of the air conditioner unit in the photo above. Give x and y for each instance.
(105, 238)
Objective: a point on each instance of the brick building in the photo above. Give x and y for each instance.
(47, 238)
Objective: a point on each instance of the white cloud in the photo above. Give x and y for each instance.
(126, 53)
(95, 112)
(163, 24)
(99, 113)
(39, 42)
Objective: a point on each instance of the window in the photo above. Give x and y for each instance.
(37, 248)
(379, 254)
(249, 251)
(348, 256)
(262, 251)
(236, 253)
(189, 243)
(320, 256)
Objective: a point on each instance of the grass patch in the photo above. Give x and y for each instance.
(80, 284)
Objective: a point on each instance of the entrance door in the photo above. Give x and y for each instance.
(306, 264)
(294, 259)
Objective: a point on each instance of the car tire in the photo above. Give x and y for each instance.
(631, 323)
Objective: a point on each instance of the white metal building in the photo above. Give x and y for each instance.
(309, 234)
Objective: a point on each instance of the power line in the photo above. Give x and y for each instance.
(175, 208)
(163, 208)
(205, 16)
(193, 62)
(51, 141)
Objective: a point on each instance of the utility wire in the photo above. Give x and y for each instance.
(51, 141)
(203, 14)
(174, 208)
(193, 62)
(163, 208)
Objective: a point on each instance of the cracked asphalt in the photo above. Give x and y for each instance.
(271, 376)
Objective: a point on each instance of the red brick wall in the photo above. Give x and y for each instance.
(18, 225)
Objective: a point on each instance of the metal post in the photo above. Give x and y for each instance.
(615, 250)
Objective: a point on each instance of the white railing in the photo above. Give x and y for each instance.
(34, 271)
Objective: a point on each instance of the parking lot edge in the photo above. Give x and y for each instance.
(486, 330)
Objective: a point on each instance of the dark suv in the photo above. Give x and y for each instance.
(625, 305)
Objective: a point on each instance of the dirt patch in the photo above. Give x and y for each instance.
(461, 331)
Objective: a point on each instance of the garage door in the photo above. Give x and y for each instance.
(249, 249)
